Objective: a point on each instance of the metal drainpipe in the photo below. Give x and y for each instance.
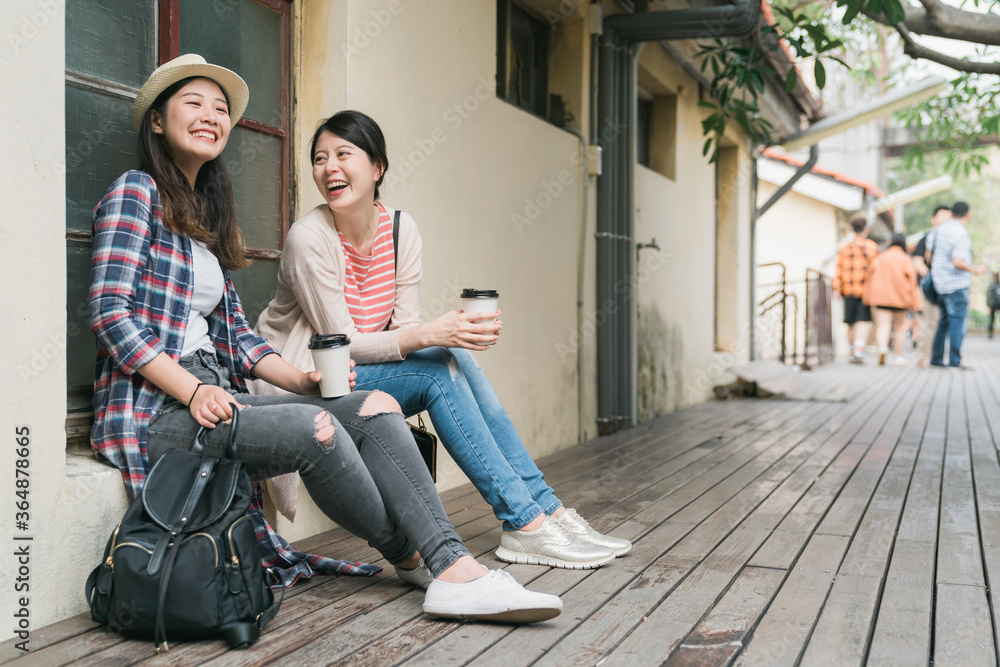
(580, 275)
(617, 387)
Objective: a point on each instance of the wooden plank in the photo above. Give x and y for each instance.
(986, 474)
(774, 465)
(840, 635)
(789, 538)
(792, 533)
(72, 650)
(663, 629)
(903, 628)
(782, 632)
(959, 554)
(919, 522)
(962, 631)
(48, 635)
(720, 635)
(872, 543)
(847, 511)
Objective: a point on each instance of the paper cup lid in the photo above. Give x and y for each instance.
(324, 341)
(469, 293)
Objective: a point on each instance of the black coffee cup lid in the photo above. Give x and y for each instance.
(470, 293)
(324, 341)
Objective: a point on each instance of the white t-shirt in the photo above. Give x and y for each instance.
(209, 285)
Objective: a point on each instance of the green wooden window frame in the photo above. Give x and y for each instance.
(522, 58)
(111, 48)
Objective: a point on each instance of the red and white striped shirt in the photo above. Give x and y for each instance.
(370, 282)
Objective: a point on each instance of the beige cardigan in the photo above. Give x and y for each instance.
(310, 295)
(310, 299)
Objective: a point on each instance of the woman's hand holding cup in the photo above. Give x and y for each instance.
(311, 380)
(459, 329)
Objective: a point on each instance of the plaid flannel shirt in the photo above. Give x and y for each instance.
(140, 299)
(949, 240)
(853, 260)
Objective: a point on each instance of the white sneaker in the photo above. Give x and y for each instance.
(900, 361)
(579, 526)
(419, 576)
(552, 545)
(496, 596)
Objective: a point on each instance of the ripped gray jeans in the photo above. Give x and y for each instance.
(368, 477)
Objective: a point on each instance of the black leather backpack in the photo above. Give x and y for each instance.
(184, 561)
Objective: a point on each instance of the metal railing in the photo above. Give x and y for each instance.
(772, 323)
(818, 347)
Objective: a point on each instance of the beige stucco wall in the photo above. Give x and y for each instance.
(800, 232)
(681, 357)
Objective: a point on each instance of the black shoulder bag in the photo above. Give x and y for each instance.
(184, 560)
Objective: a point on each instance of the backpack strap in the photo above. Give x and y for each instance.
(395, 240)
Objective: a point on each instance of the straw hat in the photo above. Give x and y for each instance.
(181, 68)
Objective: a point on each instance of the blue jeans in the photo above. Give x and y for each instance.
(954, 307)
(472, 424)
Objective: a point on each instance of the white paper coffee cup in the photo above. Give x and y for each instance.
(481, 301)
(331, 355)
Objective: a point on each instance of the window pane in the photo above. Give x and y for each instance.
(244, 37)
(111, 39)
(527, 62)
(255, 285)
(80, 342)
(254, 162)
(100, 146)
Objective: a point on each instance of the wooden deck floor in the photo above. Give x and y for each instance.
(767, 532)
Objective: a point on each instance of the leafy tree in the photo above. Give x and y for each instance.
(957, 120)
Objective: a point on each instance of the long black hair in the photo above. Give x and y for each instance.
(208, 212)
(362, 131)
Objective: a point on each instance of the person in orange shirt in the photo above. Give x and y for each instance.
(891, 286)
(853, 260)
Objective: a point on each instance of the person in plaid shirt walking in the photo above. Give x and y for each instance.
(951, 270)
(853, 260)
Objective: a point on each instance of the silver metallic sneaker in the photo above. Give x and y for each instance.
(419, 576)
(552, 545)
(579, 526)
